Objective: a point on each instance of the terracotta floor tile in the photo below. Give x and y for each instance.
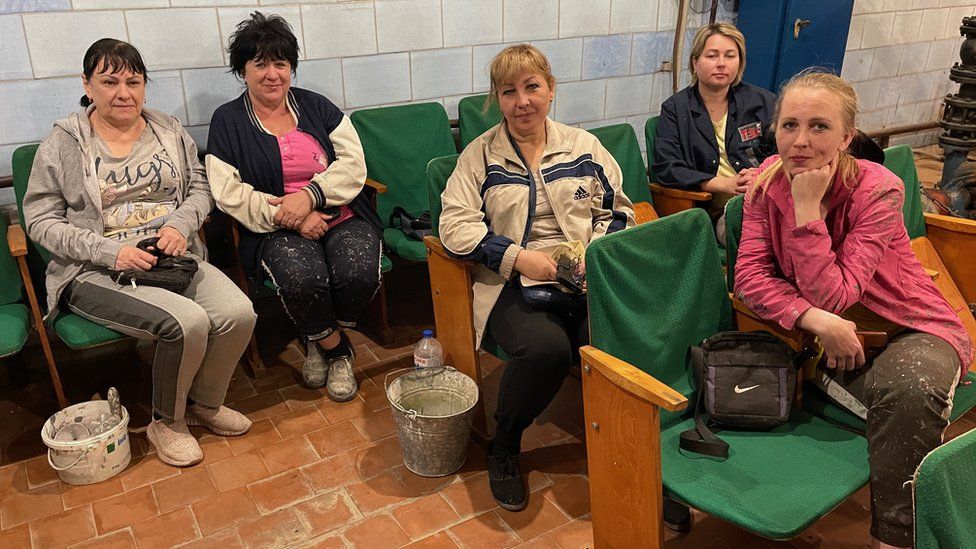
(439, 540)
(225, 539)
(425, 516)
(224, 510)
(72, 526)
(73, 496)
(378, 531)
(191, 486)
(166, 530)
(278, 377)
(378, 492)
(21, 507)
(18, 536)
(288, 454)
(124, 509)
(474, 461)
(375, 425)
(330, 542)
(116, 540)
(326, 512)
(421, 486)
(337, 412)
(239, 392)
(280, 529)
(298, 396)
(298, 422)
(13, 480)
(574, 535)
(39, 472)
(262, 406)
(380, 456)
(237, 471)
(261, 435)
(536, 480)
(375, 397)
(571, 494)
(279, 491)
(332, 473)
(473, 496)
(486, 531)
(215, 448)
(335, 439)
(541, 542)
(146, 470)
(537, 518)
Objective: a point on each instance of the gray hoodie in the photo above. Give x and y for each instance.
(63, 203)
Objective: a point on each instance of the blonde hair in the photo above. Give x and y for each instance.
(816, 79)
(727, 30)
(512, 61)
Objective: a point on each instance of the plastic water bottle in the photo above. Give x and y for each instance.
(428, 353)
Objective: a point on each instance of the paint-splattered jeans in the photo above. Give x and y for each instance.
(907, 391)
(328, 282)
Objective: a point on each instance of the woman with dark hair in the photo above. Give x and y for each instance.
(104, 179)
(288, 165)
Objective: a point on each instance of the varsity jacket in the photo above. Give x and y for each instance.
(244, 166)
(489, 203)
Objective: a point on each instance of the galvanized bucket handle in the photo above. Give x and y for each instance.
(386, 384)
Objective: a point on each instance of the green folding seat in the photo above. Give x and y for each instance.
(473, 120)
(945, 495)
(621, 141)
(14, 315)
(655, 290)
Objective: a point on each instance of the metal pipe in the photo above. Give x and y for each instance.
(679, 43)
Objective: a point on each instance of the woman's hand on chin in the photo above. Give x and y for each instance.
(808, 189)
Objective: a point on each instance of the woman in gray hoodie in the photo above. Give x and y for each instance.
(105, 178)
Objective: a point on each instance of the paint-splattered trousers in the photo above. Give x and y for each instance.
(328, 282)
(199, 335)
(907, 390)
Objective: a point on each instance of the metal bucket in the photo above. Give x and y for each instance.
(432, 408)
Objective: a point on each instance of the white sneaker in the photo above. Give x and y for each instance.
(341, 385)
(315, 369)
(174, 443)
(220, 421)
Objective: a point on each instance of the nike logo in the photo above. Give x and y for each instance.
(741, 390)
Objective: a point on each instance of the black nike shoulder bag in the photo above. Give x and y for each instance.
(745, 380)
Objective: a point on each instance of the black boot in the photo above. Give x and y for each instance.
(677, 516)
(506, 481)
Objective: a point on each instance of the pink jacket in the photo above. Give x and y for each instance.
(860, 253)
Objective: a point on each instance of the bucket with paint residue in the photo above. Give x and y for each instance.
(432, 408)
(78, 452)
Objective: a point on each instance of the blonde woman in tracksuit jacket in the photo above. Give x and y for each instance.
(525, 184)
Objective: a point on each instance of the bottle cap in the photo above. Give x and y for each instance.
(428, 333)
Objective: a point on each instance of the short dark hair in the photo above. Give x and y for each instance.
(116, 56)
(266, 38)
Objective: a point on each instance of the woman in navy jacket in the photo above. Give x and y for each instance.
(687, 151)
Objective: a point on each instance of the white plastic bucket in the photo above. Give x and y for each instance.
(90, 459)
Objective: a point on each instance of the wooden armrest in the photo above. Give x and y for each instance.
(694, 196)
(376, 186)
(644, 212)
(436, 247)
(932, 273)
(955, 224)
(16, 240)
(632, 380)
(747, 320)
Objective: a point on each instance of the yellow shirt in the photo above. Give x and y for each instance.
(724, 168)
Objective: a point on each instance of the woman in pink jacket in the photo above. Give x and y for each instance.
(824, 249)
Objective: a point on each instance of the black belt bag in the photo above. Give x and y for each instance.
(745, 380)
(173, 273)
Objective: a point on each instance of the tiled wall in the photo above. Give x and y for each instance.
(898, 56)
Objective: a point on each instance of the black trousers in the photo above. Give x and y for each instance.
(328, 282)
(541, 346)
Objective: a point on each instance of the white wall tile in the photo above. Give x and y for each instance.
(628, 96)
(606, 56)
(926, 112)
(667, 14)
(857, 65)
(955, 19)
(229, 18)
(207, 89)
(28, 108)
(855, 33)
(581, 101)
(660, 90)
(18, 6)
(199, 134)
(323, 76)
(58, 41)
(633, 16)
(468, 22)
(113, 4)
(886, 61)
(913, 58)
(867, 94)
(16, 62)
(901, 115)
(922, 4)
(873, 120)
(481, 56)
(583, 17)
(896, 5)
(275, 2)
(436, 73)
(176, 38)
(565, 57)
(942, 54)
(199, 3)
(955, 2)
(933, 24)
(877, 30)
(891, 90)
(906, 27)
(403, 25)
(531, 20)
(362, 75)
(164, 92)
(451, 105)
(340, 30)
(923, 87)
(649, 50)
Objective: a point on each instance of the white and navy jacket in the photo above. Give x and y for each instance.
(489, 202)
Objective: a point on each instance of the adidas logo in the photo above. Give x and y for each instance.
(581, 194)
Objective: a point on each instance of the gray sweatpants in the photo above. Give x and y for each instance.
(200, 335)
(908, 392)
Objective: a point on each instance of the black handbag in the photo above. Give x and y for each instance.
(745, 380)
(415, 228)
(172, 273)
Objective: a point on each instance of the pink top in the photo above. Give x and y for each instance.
(301, 159)
(860, 253)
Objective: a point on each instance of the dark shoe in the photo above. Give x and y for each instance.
(506, 482)
(677, 516)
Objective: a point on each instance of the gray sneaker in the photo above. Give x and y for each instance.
(342, 380)
(316, 368)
